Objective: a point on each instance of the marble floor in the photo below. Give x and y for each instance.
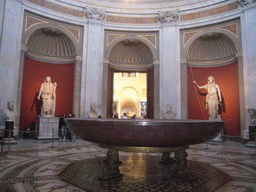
(42, 166)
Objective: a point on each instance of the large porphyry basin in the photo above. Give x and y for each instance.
(145, 132)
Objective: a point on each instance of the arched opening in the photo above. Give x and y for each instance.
(49, 53)
(131, 79)
(214, 54)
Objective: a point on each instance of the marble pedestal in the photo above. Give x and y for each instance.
(47, 127)
(8, 132)
(252, 139)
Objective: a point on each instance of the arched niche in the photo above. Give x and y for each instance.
(129, 54)
(50, 52)
(214, 54)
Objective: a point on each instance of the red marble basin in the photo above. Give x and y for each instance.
(145, 132)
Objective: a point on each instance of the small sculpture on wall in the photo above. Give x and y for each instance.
(48, 93)
(252, 113)
(93, 113)
(213, 97)
(169, 114)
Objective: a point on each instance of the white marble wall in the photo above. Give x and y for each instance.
(170, 76)
(92, 67)
(248, 22)
(10, 52)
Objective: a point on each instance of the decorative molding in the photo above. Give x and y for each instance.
(232, 28)
(58, 8)
(188, 35)
(210, 12)
(131, 20)
(243, 3)
(74, 31)
(112, 37)
(32, 21)
(168, 16)
(150, 38)
(94, 13)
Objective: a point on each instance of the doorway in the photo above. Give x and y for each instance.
(131, 92)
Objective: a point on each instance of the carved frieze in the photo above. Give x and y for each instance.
(168, 16)
(245, 2)
(94, 13)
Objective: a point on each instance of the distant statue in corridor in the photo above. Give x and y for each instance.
(213, 97)
(93, 113)
(48, 93)
(169, 114)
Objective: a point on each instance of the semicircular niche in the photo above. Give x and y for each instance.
(51, 45)
(131, 54)
(212, 49)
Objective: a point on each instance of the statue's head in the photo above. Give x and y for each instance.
(252, 112)
(48, 79)
(169, 108)
(211, 79)
(10, 105)
(93, 106)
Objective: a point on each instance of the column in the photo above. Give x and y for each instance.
(77, 88)
(10, 47)
(92, 62)
(248, 27)
(170, 77)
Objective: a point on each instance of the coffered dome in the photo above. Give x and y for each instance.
(131, 53)
(51, 45)
(213, 48)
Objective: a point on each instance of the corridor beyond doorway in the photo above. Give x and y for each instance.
(130, 93)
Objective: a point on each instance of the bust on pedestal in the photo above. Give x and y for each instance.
(10, 115)
(47, 124)
(166, 159)
(93, 113)
(251, 132)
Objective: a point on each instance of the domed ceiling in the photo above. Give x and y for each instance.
(52, 45)
(131, 53)
(146, 4)
(212, 48)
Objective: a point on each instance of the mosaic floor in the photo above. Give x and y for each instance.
(42, 166)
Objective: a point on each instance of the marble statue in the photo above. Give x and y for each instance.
(93, 113)
(252, 113)
(48, 93)
(169, 114)
(10, 112)
(10, 115)
(213, 97)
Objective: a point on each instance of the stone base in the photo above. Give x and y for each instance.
(12, 141)
(47, 127)
(218, 138)
(251, 144)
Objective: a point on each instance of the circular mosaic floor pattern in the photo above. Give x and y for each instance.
(143, 173)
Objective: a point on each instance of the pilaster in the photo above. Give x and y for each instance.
(10, 53)
(170, 74)
(77, 87)
(92, 62)
(248, 27)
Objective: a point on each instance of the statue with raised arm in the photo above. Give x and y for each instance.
(213, 97)
(93, 113)
(48, 93)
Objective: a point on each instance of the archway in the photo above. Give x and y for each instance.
(132, 59)
(50, 53)
(214, 54)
